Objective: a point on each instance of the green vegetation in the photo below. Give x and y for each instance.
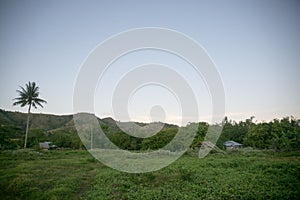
(76, 175)
(267, 168)
(28, 174)
(279, 134)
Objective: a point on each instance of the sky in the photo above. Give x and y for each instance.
(255, 46)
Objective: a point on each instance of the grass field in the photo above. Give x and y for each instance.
(77, 175)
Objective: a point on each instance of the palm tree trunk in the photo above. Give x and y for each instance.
(27, 126)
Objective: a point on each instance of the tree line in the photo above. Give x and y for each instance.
(278, 134)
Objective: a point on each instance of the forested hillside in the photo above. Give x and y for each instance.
(45, 122)
(279, 134)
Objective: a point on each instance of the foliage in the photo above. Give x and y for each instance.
(45, 122)
(217, 176)
(27, 174)
(279, 134)
(10, 141)
(66, 139)
(159, 140)
(29, 96)
(202, 130)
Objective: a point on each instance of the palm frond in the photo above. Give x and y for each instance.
(39, 101)
(29, 96)
(19, 102)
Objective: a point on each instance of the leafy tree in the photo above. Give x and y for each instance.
(28, 96)
(259, 136)
(159, 140)
(201, 132)
(61, 139)
(35, 136)
(278, 134)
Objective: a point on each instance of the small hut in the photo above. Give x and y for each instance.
(47, 145)
(230, 144)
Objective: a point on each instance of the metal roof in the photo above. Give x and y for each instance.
(231, 143)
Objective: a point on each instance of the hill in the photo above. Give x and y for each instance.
(60, 129)
(51, 123)
(37, 121)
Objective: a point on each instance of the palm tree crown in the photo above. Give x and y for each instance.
(29, 96)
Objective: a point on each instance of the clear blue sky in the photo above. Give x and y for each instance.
(255, 45)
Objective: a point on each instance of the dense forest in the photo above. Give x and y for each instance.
(278, 134)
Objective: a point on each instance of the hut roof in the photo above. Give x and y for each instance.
(231, 143)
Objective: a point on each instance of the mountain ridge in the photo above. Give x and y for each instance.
(52, 122)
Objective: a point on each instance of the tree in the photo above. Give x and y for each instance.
(28, 96)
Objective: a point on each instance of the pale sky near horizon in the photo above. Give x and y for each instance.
(254, 44)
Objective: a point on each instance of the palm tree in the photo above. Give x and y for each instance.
(28, 96)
